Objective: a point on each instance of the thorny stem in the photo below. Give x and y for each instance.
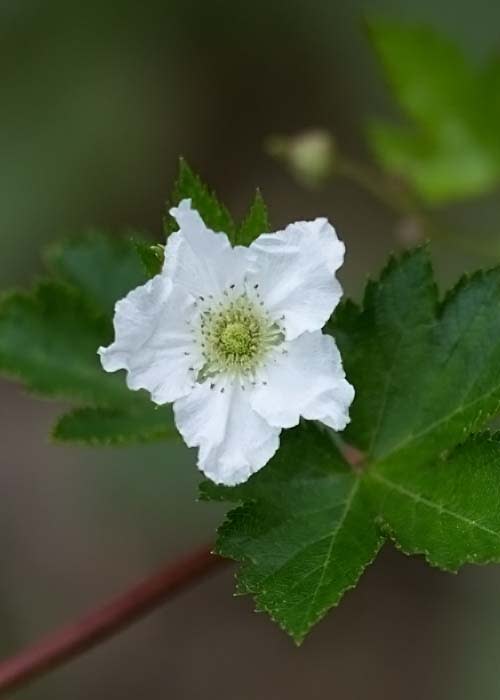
(71, 641)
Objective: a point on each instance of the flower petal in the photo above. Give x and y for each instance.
(203, 262)
(234, 441)
(295, 270)
(307, 381)
(154, 342)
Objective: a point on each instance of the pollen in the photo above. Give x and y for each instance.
(238, 340)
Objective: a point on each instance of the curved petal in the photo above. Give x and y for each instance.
(295, 270)
(154, 341)
(309, 381)
(203, 262)
(234, 441)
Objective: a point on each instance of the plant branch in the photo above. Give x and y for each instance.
(387, 191)
(73, 640)
(406, 205)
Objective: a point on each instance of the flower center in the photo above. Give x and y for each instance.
(236, 335)
(238, 339)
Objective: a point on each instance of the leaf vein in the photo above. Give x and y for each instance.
(329, 554)
(418, 498)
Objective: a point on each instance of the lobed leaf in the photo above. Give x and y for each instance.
(426, 373)
(304, 533)
(446, 509)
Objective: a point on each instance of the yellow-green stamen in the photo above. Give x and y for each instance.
(235, 337)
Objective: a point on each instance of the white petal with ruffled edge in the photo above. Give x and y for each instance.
(288, 280)
(201, 261)
(234, 441)
(295, 272)
(308, 381)
(153, 341)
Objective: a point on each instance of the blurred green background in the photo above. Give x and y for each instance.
(97, 102)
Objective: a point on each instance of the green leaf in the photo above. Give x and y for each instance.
(486, 115)
(151, 256)
(255, 223)
(303, 533)
(49, 340)
(428, 73)
(426, 373)
(446, 150)
(115, 426)
(441, 170)
(104, 269)
(190, 186)
(447, 510)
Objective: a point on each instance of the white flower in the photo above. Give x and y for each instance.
(233, 337)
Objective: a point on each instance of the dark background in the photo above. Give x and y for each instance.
(97, 100)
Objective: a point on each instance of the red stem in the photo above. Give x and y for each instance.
(61, 646)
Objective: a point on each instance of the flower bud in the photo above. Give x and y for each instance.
(309, 155)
